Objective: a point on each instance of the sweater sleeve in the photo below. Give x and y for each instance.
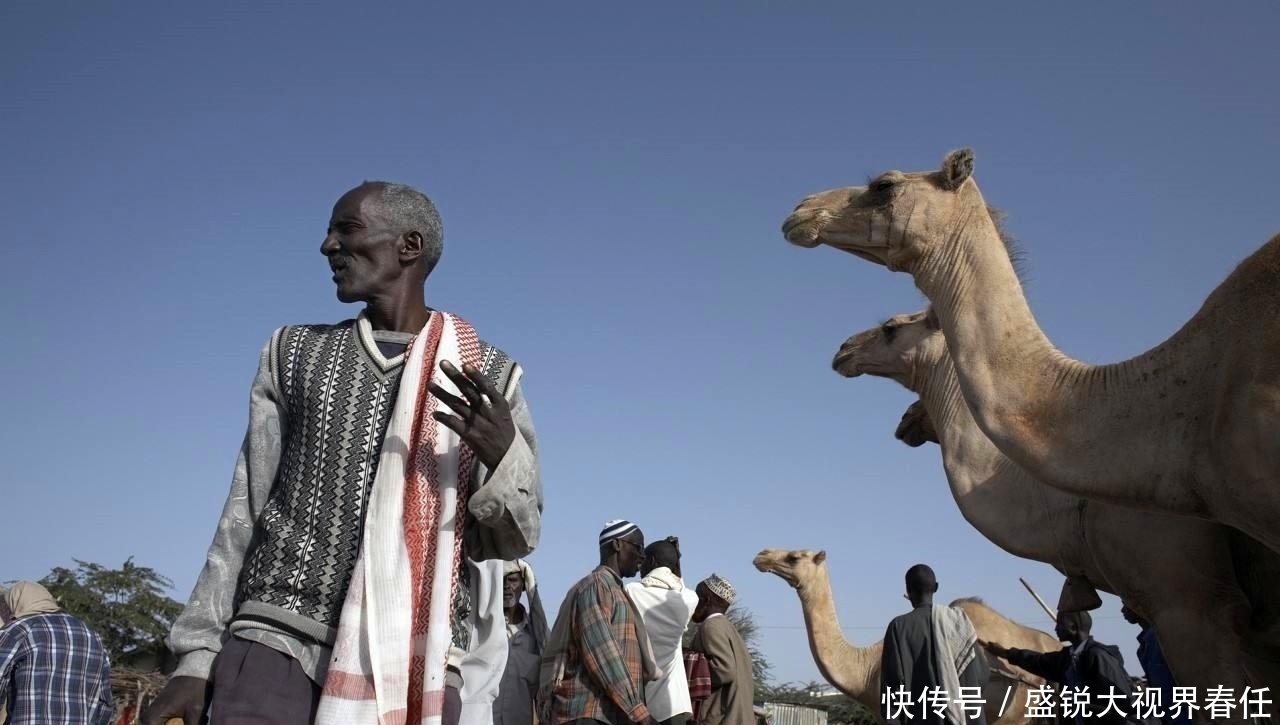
(508, 506)
(198, 633)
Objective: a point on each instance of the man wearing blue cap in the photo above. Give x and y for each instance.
(598, 658)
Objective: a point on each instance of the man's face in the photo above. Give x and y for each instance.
(1065, 629)
(630, 554)
(363, 251)
(512, 588)
(705, 604)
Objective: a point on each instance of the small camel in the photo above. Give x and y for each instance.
(1191, 426)
(855, 671)
(1198, 582)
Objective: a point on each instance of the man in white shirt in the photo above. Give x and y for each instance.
(665, 605)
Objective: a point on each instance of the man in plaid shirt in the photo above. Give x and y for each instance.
(598, 658)
(53, 669)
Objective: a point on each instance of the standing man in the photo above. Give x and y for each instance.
(928, 649)
(53, 669)
(1084, 664)
(598, 658)
(327, 530)
(1154, 666)
(526, 639)
(732, 678)
(666, 605)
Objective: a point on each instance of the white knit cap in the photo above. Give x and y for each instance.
(616, 529)
(720, 587)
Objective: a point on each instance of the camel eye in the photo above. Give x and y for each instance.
(887, 330)
(882, 186)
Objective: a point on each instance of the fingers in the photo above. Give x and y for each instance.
(458, 405)
(452, 422)
(465, 384)
(472, 383)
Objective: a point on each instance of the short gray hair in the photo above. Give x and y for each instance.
(408, 209)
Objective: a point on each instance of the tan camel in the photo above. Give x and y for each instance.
(1193, 579)
(855, 671)
(1191, 426)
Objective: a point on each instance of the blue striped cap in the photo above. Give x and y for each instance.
(616, 529)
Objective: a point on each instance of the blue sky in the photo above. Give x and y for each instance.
(612, 182)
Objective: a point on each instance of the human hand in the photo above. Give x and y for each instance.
(993, 648)
(181, 702)
(483, 416)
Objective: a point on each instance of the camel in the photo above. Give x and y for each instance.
(1191, 426)
(855, 671)
(1199, 583)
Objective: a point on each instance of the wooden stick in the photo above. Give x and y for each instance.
(1043, 606)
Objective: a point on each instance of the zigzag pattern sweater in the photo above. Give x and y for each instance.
(278, 569)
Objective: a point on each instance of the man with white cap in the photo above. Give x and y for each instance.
(598, 658)
(526, 638)
(665, 605)
(732, 678)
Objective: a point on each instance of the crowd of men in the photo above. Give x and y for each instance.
(369, 563)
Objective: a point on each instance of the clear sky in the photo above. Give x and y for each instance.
(612, 180)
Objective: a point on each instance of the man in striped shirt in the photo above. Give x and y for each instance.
(598, 658)
(53, 669)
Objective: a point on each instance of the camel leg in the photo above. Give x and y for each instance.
(1203, 646)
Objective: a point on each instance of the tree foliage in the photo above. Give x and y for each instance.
(126, 607)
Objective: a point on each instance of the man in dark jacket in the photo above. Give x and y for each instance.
(1085, 665)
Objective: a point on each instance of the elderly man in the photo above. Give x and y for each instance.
(931, 649)
(526, 639)
(335, 550)
(598, 659)
(666, 606)
(53, 669)
(732, 676)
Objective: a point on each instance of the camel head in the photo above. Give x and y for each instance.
(796, 568)
(892, 220)
(916, 427)
(902, 348)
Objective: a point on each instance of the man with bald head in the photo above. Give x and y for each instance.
(666, 605)
(327, 531)
(931, 653)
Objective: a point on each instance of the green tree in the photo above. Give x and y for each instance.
(126, 607)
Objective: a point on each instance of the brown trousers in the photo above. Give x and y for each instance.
(256, 685)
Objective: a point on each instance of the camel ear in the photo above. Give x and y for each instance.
(956, 168)
(820, 557)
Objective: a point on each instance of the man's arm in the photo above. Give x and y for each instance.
(104, 707)
(892, 672)
(198, 633)
(509, 504)
(13, 647)
(601, 654)
(718, 648)
(1049, 665)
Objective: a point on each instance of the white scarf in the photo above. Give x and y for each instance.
(388, 665)
(956, 641)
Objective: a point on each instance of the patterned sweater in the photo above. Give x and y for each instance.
(281, 559)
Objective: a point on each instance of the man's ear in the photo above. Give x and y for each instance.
(410, 246)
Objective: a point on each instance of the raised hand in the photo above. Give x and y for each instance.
(483, 416)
